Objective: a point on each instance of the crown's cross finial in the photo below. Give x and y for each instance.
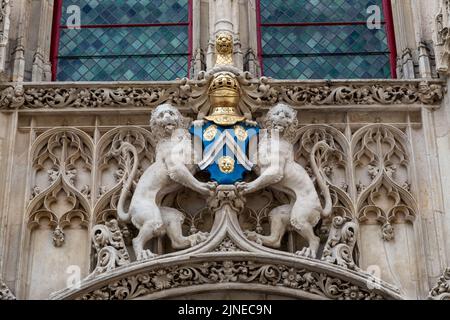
(224, 49)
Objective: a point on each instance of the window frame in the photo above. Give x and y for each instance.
(388, 23)
(56, 29)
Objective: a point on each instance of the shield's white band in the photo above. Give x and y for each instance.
(214, 149)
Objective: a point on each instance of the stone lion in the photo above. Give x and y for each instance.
(173, 167)
(278, 170)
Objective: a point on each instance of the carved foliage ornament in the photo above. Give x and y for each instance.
(110, 248)
(246, 272)
(256, 92)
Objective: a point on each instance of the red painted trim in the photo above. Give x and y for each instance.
(307, 24)
(259, 35)
(190, 33)
(390, 31)
(131, 25)
(54, 46)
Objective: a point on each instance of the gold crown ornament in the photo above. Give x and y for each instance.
(224, 96)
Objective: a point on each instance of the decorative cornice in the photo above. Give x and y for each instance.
(256, 93)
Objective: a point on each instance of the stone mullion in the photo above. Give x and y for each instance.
(94, 189)
(351, 178)
(351, 175)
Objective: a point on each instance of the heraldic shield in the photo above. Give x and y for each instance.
(225, 150)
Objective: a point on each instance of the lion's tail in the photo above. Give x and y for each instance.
(327, 210)
(122, 214)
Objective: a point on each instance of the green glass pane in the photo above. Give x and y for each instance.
(328, 67)
(323, 39)
(124, 41)
(95, 12)
(131, 68)
(292, 11)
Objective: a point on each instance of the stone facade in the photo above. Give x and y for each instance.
(388, 236)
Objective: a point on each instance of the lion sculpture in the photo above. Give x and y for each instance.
(278, 170)
(173, 166)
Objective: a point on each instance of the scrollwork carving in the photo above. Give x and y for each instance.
(341, 243)
(110, 248)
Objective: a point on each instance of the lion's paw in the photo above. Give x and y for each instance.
(307, 253)
(197, 238)
(253, 236)
(146, 255)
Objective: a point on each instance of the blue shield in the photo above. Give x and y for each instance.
(225, 150)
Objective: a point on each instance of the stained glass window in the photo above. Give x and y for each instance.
(325, 39)
(121, 40)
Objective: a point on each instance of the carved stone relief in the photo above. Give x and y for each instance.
(256, 92)
(442, 289)
(442, 40)
(368, 174)
(231, 271)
